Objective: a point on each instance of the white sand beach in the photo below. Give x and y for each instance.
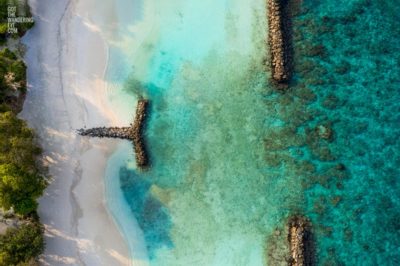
(67, 59)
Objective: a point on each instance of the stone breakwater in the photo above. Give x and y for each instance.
(133, 133)
(300, 242)
(107, 132)
(278, 42)
(137, 133)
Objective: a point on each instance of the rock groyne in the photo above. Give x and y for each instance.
(300, 242)
(133, 133)
(137, 133)
(278, 40)
(107, 132)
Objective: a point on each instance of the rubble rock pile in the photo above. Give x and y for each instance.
(107, 132)
(133, 133)
(300, 242)
(137, 133)
(277, 41)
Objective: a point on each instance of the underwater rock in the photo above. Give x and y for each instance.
(305, 94)
(163, 195)
(330, 102)
(317, 50)
(277, 248)
(278, 42)
(324, 132)
(327, 230)
(300, 241)
(343, 68)
(340, 167)
(335, 200)
(323, 153)
(348, 234)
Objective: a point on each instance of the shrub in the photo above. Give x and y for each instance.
(20, 181)
(19, 246)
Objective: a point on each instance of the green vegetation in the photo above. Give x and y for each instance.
(19, 246)
(12, 78)
(18, 68)
(21, 182)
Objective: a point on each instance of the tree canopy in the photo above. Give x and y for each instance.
(20, 181)
(19, 245)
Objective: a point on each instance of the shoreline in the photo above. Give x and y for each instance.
(127, 223)
(80, 229)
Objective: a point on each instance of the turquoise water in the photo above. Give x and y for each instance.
(355, 76)
(233, 158)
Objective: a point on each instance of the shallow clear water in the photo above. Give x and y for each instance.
(233, 158)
